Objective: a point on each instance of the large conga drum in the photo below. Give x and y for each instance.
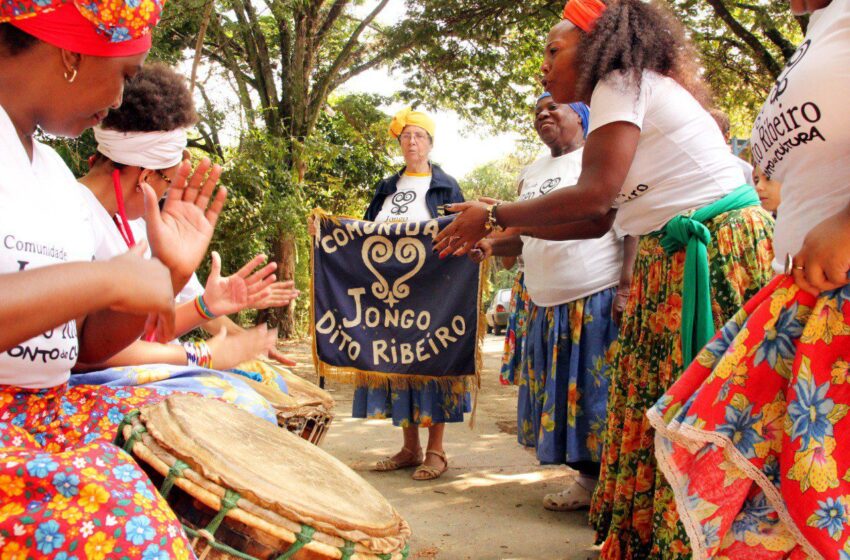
(246, 489)
(306, 411)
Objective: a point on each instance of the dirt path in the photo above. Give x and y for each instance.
(488, 505)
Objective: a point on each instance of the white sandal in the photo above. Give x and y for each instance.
(573, 498)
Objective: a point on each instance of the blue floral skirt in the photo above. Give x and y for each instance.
(563, 390)
(166, 379)
(515, 332)
(425, 406)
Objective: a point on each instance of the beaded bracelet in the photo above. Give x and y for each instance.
(198, 354)
(202, 309)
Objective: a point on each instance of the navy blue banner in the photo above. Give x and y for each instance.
(386, 306)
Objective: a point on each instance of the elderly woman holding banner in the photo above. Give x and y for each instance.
(656, 166)
(414, 194)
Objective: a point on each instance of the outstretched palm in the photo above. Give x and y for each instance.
(180, 234)
(231, 294)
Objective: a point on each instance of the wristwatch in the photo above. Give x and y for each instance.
(492, 223)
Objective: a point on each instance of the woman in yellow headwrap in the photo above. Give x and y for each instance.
(413, 194)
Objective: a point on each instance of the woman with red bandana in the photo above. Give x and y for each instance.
(64, 490)
(655, 165)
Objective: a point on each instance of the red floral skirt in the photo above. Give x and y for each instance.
(749, 436)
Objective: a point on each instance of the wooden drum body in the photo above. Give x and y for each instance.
(306, 411)
(246, 489)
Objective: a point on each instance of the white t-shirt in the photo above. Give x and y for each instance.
(43, 221)
(802, 134)
(746, 169)
(558, 272)
(682, 161)
(407, 204)
(113, 243)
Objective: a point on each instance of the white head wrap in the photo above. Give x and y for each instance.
(151, 150)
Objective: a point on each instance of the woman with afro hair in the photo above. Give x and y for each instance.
(144, 142)
(655, 166)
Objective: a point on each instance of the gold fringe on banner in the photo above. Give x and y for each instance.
(378, 379)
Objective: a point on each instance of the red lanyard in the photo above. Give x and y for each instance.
(123, 226)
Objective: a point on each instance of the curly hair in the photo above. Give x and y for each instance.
(155, 100)
(722, 120)
(13, 41)
(633, 36)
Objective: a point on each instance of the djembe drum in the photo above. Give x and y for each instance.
(246, 489)
(306, 411)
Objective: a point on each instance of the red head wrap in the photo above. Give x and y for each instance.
(584, 13)
(95, 27)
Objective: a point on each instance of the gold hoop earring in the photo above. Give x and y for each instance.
(71, 75)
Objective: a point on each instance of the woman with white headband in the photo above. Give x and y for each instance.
(144, 142)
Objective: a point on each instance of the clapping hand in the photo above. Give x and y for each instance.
(468, 227)
(279, 294)
(230, 350)
(240, 290)
(180, 234)
(144, 287)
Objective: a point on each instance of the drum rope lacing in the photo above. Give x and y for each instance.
(174, 472)
(228, 502)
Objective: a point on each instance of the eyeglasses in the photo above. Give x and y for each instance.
(408, 136)
(163, 176)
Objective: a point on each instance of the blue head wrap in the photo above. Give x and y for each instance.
(582, 110)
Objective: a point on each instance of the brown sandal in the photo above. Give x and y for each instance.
(389, 464)
(427, 472)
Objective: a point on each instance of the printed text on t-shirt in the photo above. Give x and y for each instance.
(791, 127)
(636, 192)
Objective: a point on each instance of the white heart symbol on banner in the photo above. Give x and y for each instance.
(378, 250)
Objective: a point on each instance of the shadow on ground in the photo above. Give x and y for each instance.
(488, 505)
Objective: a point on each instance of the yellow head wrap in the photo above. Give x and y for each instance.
(408, 116)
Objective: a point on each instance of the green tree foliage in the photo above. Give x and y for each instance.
(498, 179)
(75, 152)
(482, 57)
(348, 154)
(744, 46)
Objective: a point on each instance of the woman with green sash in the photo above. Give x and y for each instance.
(656, 166)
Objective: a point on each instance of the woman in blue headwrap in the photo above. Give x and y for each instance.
(570, 328)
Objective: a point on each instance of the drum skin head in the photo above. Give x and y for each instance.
(304, 392)
(268, 465)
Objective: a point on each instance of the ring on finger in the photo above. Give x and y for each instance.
(790, 267)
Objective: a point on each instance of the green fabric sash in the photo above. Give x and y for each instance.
(690, 233)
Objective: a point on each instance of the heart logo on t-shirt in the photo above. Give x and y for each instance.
(549, 185)
(401, 201)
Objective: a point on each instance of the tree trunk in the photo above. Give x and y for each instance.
(284, 253)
